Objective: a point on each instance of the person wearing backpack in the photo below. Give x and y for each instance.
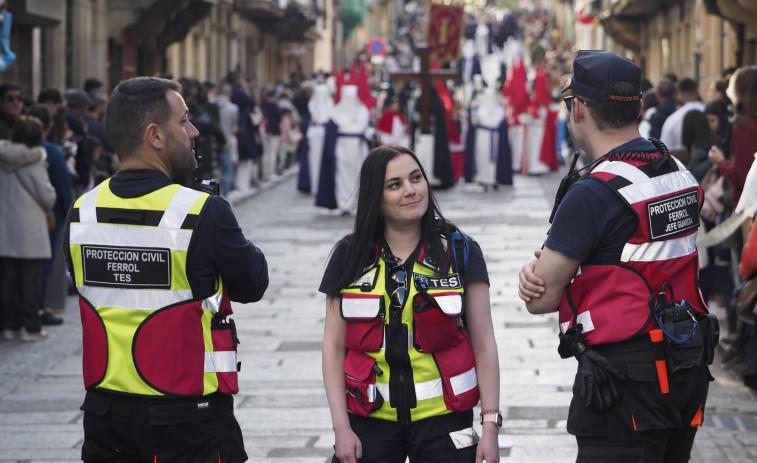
(408, 346)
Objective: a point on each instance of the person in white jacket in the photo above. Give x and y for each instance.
(25, 195)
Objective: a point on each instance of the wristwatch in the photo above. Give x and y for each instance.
(494, 417)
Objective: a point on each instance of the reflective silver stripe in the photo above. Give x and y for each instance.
(88, 206)
(366, 307)
(212, 303)
(140, 299)
(423, 391)
(224, 361)
(464, 438)
(584, 318)
(128, 235)
(660, 250)
(451, 303)
(643, 187)
(623, 169)
(179, 207)
(371, 391)
(464, 382)
(410, 340)
(658, 186)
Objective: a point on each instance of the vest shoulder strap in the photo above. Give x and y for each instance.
(459, 245)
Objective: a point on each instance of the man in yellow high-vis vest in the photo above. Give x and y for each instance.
(156, 266)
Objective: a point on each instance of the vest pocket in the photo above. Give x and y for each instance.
(360, 371)
(457, 367)
(223, 359)
(436, 328)
(365, 323)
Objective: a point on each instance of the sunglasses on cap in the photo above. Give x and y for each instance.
(569, 102)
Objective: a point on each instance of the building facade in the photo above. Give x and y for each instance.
(61, 43)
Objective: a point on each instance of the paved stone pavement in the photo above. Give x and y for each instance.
(282, 406)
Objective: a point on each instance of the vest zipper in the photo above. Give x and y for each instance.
(401, 384)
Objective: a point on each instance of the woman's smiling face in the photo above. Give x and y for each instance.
(405, 198)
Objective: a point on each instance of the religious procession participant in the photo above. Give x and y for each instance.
(488, 152)
(404, 290)
(156, 266)
(344, 149)
(320, 106)
(392, 128)
(620, 265)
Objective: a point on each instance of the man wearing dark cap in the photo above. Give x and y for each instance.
(620, 266)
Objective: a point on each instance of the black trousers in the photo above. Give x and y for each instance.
(644, 425)
(424, 441)
(20, 293)
(119, 429)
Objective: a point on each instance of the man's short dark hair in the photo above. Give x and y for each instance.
(41, 112)
(133, 105)
(616, 114)
(666, 89)
(6, 87)
(50, 94)
(687, 85)
(92, 84)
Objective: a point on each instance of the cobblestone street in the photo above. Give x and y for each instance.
(282, 404)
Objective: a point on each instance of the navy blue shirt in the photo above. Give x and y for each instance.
(218, 246)
(592, 223)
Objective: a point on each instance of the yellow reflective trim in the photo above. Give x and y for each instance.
(198, 205)
(106, 198)
(76, 261)
(179, 278)
(210, 380)
(121, 373)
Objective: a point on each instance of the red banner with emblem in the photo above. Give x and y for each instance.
(445, 29)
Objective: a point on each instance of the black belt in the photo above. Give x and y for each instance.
(642, 343)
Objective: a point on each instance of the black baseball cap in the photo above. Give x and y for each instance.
(595, 72)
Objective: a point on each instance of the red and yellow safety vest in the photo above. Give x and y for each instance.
(440, 352)
(611, 300)
(144, 332)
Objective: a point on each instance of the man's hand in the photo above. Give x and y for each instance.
(348, 447)
(529, 284)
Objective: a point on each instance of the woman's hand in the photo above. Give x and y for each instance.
(488, 446)
(715, 155)
(530, 285)
(348, 447)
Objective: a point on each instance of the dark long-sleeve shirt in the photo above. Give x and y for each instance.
(218, 246)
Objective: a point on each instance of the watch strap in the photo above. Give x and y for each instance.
(494, 417)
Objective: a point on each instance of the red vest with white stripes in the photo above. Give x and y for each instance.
(611, 301)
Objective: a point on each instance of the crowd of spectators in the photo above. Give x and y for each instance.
(244, 142)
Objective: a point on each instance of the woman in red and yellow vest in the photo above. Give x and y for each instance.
(408, 345)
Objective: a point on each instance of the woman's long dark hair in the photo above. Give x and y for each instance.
(369, 223)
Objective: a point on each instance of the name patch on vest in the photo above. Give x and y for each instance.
(674, 215)
(451, 281)
(126, 267)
